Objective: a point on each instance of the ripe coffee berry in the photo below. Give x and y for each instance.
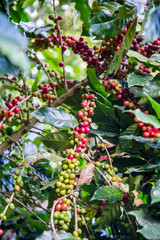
(61, 64)
(16, 110)
(1, 231)
(103, 203)
(126, 195)
(58, 207)
(64, 206)
(59, 18)
(10, 105)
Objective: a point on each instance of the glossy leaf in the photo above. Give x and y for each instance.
(137, 55)
(95, 84)
(57, 117)
(91, 211)
(124, 47)
(138, 79)
(126, 143)
(147, 118)
(155, 106)
(140, 5)
(65, 235)
(153, 144)
(12, 44)
(58, 141)
(142, 218)
(155, 192)
(127, 10)
(151, 231)
(104, 25)
(109, 214)
(111, 7)
(83, 8)
(43, 157)
(152, 88)
(152, 24)
(149, 167)
(87, 191)
(108, 193)
(49, 184)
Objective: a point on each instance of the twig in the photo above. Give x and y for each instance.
(10, 79)
(52, 217)
(26, 94)
(85, 225)
(7, 206)
(38, 176)
(36, 133)
(83, 202)
(109, 157)
(129, 220)
(40, 129)
(69, 109)
(32, 212)
(60, 36)
(10, 159)
(75, 214)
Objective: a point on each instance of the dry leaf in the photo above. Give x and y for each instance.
(87, 173)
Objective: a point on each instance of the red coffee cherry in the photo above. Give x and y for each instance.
(61, 64)
(1, 231)
(58, 207)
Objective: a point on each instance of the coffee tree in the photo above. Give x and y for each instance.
(79, 119)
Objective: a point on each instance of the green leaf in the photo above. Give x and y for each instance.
(106, 109)
(104, 133)
(108, 193)
(91, 211)
(142, 218)
(151, 231)
(111, 7)
(147, 118)
(138, 79)
(94, 82)
(57, 117)
(15, 16)
(6, 67)
(154, 59)
(155, 192)
(127, 10)
(153, 144)
(83, 8)
(126, 143)
(58, 141)
(124, 47)
(65, 235)
(131, 183)
(35, 223)
(43, 157)
(155, 105)
(109, 214)
(12, 44)
(50, 184)
(152, 88)
(151, 26)
(87, 191)
(138, 56)
(105, 25)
